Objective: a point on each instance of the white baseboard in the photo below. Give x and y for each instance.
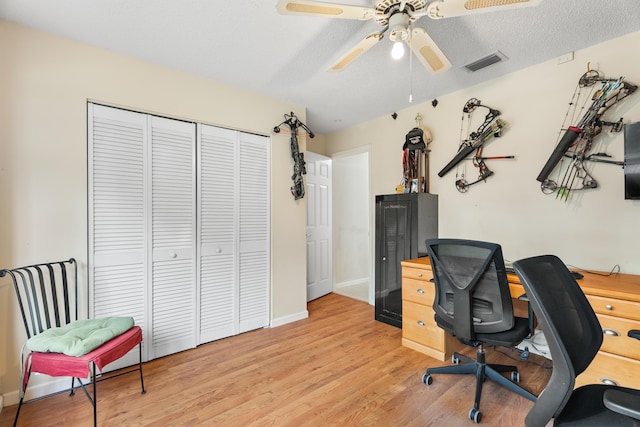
(288, 319)
(361, 281)
(36, 390)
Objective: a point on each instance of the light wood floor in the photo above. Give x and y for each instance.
(339, 367)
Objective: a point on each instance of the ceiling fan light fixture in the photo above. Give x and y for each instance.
(397, 51)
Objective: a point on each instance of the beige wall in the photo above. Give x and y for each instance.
(596, 230)
(45, 83)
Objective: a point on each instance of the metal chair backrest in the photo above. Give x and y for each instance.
(47, 294)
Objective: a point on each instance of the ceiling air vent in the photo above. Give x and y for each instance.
(481, 63)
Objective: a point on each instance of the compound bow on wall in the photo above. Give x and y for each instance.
(491, 127)
(576, 143)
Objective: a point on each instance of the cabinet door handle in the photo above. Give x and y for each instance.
(608, 307)
(419, 274)
(420, 323)
(420, 291)
(611, 332)
(384, 258)
(608, 381)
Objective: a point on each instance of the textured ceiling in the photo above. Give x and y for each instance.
(246, 43)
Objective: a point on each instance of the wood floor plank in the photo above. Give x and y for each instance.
(339, 367)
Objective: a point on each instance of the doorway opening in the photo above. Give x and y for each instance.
(352, 210)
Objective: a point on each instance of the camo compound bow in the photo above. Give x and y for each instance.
(299, 165)
(575, 150)
(491, 127)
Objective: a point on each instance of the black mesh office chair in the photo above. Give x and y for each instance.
(574, 336)
(473, 303)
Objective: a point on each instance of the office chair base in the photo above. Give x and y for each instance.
(463, 365)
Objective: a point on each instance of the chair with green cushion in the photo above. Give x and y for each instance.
(60, 344)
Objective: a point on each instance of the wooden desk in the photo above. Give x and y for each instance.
(615, 299)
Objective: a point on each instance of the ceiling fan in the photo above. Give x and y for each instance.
(397, 16)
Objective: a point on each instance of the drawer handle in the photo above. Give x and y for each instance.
(173, 255)
(420, 323)
(608, 307)
(611, 332)
(419, 274)
(420, 291)
(609, 381)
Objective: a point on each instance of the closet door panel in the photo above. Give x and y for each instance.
(173, 231)
(118, 247)
(218, 237)
(254, 262)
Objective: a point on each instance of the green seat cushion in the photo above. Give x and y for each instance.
(80, 337)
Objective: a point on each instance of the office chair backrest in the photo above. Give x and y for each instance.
(47, 294)
(569, 324)
(472, 292)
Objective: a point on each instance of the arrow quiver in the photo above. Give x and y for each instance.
(299, 165)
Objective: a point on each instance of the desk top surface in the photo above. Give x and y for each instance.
(622, 286)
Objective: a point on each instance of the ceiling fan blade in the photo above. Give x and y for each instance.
(450, 8)
(329, 10)
(366, 44)
(427, 51)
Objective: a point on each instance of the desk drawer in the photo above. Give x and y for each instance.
(616, 340)
(419, 326)
(607, 367)
(417, 273)
(419, 291)
(615, 307)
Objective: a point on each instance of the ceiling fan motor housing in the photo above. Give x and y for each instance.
(398, 27)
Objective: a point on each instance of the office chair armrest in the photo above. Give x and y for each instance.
(623, 403)
(634, 333)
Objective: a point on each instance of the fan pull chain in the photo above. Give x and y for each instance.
(409, 39)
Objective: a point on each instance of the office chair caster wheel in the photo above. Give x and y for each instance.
(515, 377)
(455, 360)
(475, 415)
(427, 379)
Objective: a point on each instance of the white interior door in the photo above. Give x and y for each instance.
(319, 241)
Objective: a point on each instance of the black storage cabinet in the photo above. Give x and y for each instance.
(403, 223)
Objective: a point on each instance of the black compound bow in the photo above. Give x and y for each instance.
(491, 127)
(299, 166)
(576, 143)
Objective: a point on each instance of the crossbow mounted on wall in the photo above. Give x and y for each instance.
(299, 165)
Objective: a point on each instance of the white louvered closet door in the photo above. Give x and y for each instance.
(254, 242)
(118, 239)
(218, 213)
(173, 232)
(234, 196)
(190, 263)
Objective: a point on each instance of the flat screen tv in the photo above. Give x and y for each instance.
(632, 161)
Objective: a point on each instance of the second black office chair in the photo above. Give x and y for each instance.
(473, 303)
(574, 335)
